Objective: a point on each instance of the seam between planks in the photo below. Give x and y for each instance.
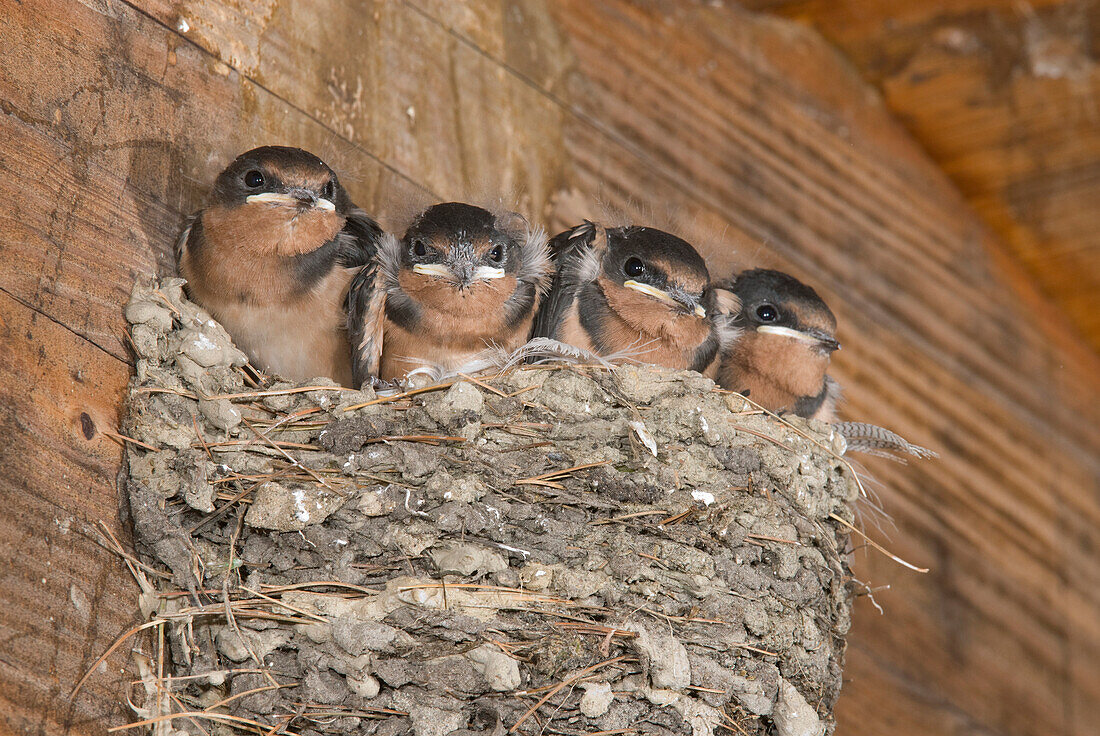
(59, 323)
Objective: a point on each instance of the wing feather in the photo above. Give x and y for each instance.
(365, 303)
(576, 255)
(192, 226)
(874, 440)
(358, 240)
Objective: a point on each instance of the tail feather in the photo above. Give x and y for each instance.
(871, 439)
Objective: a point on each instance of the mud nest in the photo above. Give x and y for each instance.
(561, 549)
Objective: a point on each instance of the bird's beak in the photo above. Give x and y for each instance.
(488, 272)
(825, 341)
(275, 198)
(461, 273)
(812, 335)
(648, 290)
(296, 198)
(675, 298)
(433, 269)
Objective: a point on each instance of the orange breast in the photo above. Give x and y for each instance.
(454, 326)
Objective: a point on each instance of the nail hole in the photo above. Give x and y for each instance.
(87, 425)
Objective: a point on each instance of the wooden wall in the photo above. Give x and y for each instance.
(115, 116)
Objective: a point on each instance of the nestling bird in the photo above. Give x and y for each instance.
(271, 258)
(781, 359)
(461, 279)
(632, 291)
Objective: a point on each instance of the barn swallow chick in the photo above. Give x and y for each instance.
(781, 359)
(460, 280)
(632, 292)
(271, 258)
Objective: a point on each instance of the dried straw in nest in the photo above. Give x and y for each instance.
(559, 549)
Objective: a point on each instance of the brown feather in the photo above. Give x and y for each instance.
(571, 332)
(262, 228)
(369, 349)
(243, 275)
(663, 334)
(455, 325)
(776, 371)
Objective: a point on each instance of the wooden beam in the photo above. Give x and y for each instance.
(426, 103)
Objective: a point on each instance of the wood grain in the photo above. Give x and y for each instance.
(1003, 95)
(745, 132)
(64, 597)
(428, 104)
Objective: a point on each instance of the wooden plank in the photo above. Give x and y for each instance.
(55, 213)
(65, 598)
(422, 100)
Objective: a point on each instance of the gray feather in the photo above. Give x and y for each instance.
(871, 439)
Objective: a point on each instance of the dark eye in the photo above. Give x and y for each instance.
(767, 313)
(329, 190)
(633, 267)
(419, 249)
(253, 179)
(496, 255)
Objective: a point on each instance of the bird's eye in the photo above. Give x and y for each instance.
(633, 267)
(496, 255)
(329, 190)
(253, 179)
(419, 249)
(767, 313)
